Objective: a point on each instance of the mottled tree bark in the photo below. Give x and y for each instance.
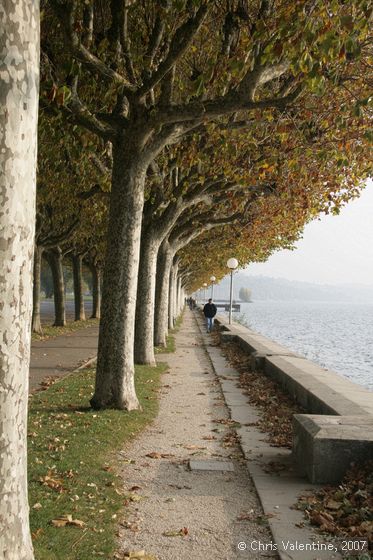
(54, 258)
(172, 309)
(19, 84)
(96, 291)
(144, 324)
(115, 361)
(77, 261)
(36, 321)
(164, 262)
(179, 296)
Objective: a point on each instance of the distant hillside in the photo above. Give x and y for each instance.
(266, 288)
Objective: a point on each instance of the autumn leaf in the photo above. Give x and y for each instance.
(180, 533)
(66, 520)
(156, 455)
(36, 534)
(53, 483)
(139, 555)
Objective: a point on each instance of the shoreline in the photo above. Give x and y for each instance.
(328, 342)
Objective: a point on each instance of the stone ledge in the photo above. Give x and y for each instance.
(325, 446)
(317, 390)
(336, 432)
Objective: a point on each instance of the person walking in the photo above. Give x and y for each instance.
(209, 311)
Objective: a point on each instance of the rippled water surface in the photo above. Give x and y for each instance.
(338, 336)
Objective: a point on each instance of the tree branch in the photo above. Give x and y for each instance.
(51, 241)
(65, 12)
(225, 105)
(180, 42)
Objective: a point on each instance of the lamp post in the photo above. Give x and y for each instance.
(212, 286)
(204, 291)
(232, 264)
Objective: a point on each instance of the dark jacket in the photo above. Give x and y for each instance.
(209, 310)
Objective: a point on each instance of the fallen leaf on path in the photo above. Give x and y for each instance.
(208, 438)
(226, 421)
(139, 555)
(156, 455)
(180, 533)
(193, 447)
(132, 526)
(133, 498)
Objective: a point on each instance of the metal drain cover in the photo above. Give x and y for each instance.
(222, 466)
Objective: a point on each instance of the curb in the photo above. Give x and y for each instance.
(59, 378)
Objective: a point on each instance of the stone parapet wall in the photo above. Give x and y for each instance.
(322, 442)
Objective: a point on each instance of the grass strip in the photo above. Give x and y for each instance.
(170, 341)
(73, 463)
(169, 348)
(71, 326)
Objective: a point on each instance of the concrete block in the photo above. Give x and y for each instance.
(257, 361)
(325, 446)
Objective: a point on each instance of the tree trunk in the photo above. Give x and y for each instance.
(78, 287)
(54, 258)
(115, 360)
(36, 322)
(178, 295)
(144, 324)
(172, 312)
(96, 292)
(171, 300)
(164, 262)
(19, 48)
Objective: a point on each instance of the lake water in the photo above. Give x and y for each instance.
(338, 336)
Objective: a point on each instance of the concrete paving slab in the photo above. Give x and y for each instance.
(222, 466)
(242, 414)
(229, 386)
(235, 399)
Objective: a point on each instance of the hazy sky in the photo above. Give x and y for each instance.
(334, 249)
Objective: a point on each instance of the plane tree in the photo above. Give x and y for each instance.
(301, 155)
(168, 67)
(69, 166)
(19, 53)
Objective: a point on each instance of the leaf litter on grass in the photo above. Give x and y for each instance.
(73, 457)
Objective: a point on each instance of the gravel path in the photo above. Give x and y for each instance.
(207, 506)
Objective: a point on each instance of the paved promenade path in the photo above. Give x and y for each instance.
(62, 354)
(183, 514)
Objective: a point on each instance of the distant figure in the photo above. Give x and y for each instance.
(209, 312)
